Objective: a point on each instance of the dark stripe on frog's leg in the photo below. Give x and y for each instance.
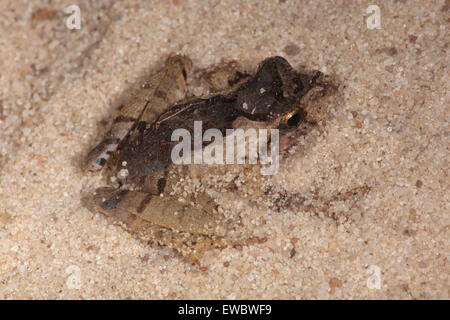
(162, 183)
(160, 94)
(122, 118)
(101, 161)
(144, 203)
(113, 201)
(98, 156)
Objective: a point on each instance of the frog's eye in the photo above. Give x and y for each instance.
(293, 119)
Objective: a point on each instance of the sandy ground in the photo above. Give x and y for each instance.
(389, 137)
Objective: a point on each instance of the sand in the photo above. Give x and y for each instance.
(387, 140)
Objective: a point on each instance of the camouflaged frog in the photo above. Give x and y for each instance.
(139, 144)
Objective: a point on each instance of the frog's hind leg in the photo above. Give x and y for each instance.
(162, 220)
(159, 92)
(167, 221)
(165, 211)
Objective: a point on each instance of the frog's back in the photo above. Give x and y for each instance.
(149, 150)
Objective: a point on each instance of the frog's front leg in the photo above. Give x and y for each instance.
(165, 211)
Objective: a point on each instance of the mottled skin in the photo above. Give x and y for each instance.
(143, 204)
(273, 94)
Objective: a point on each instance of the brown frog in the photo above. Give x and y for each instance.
(141, 201)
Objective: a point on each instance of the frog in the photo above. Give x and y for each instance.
(142, 167)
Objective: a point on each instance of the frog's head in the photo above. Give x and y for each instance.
(274, 93)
